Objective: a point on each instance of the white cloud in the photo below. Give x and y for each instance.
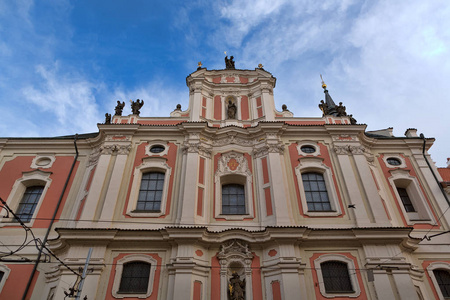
(70, 99)
(159, 98)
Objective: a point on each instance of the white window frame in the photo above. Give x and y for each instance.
(6, 272)
(308, 143)
(402, 179)
(43, 161)
(33, 178)
(433, 266)
(350, 266)
(119, 270)
(242, 175)
(396, 156)
(157, 143)
(149, 164)
(316, 165)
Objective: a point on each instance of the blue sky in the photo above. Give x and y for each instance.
(63, 64)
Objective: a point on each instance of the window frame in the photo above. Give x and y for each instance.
(350, 266)
(6, 272)
(33, 178)
(316, 165)
(437, 266)
(149, 164)
(241, 175)
(326, 191)
(222, 196)
(119, 271)
(402, 179)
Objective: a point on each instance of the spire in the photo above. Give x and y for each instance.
(328, 107)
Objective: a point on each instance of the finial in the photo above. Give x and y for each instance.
(260, 66)
(225, 52)
(199, 64)
(324, 86)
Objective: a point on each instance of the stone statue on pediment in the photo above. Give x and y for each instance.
(229, 62)
(107, 118)
(119, 108)
(136, 106)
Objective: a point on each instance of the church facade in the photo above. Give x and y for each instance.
(230, 198)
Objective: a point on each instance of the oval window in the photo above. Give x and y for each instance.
(43, 161)
(308, 149)
(394, 161)
(157, 149)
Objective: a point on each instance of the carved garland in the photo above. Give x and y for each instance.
(115, 149)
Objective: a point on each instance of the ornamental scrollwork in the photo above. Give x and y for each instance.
(233, 140)
(232, 163)
(115, 149)
(349, 149)
(94, 156)
(197, 147)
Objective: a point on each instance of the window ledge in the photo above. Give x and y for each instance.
(331, 213)
(145, 213)
(235, 217)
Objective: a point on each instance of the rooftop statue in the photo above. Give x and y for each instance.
(136, 106)
(107, 118)
(119, 108)
(229, 62)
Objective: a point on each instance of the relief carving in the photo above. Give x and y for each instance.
(232, 163)
(349, 149)
(115, 149)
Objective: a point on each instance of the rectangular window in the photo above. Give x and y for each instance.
(233, 199)
(150, 192)
(316, 192)
(335, 277)
(409, 207)
(135, 276)
(29, 201)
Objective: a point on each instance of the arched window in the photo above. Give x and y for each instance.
(407, 204)
(135, 277)
(336, 277)
(316, 192)
(233, 199)
(443, 280)
(29, 201)
(150, 192)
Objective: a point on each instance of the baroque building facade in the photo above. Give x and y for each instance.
(228, 199)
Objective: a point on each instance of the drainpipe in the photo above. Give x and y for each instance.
(429, 165)
(44, 241)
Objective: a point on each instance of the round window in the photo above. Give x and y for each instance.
(308, 149)
(43, 161)
(394, 161)
(157, 149)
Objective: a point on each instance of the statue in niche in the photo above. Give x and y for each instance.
(119, 108)
(136, 106)
(236, 287)
(231, 111)
(229, 62)
(107, 118)
(340, 109)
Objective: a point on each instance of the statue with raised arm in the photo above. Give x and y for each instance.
(236, 287)
(136, 106)
(119, 108)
